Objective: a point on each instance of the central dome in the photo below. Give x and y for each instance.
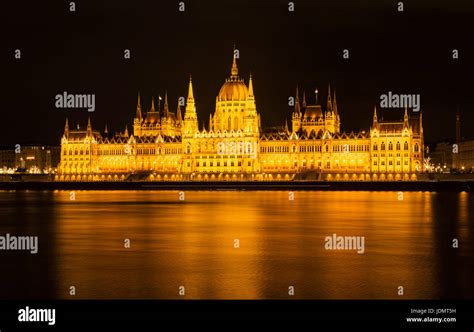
(234, 88)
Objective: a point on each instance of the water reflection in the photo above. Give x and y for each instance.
(190, 243)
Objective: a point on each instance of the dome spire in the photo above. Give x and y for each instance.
(234, 71)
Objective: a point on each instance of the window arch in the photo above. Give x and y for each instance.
(398, 146)
(236, 123)
(390, 146)
(229, 124)
(405, 146)
(417, 148)
(382, 146)
(249, 148)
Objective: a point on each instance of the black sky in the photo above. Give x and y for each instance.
(82, 52)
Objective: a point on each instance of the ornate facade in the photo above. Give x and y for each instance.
(164, 146)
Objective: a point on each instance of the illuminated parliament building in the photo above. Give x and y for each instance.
(170, 146)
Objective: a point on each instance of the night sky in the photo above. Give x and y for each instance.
(82, 52)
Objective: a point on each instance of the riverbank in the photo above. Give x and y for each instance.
(447, 185)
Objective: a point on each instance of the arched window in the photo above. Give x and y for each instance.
(236, 123)
(327, 148)
(405, 146)
(390, 146)
(382, 146)
(229, 124)
(417, 148)
(398, 146)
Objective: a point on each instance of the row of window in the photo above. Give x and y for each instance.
(316, 148)
(218, 163)
(76, 152)
(390, 163)
(263, 149)
(416, 148)
(275, 149)
(375, 155)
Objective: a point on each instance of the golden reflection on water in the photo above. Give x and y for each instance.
(190, 243)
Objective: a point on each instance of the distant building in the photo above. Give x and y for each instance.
(29, 158)
(7, 159)
(463, 152)
(442, 157)
(465, 159)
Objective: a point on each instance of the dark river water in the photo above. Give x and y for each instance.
(237, 245)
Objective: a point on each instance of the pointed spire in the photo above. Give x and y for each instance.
(250, 86)
(329, 104)
(421, 121)
(375, 116)
(335, 103)
(89, 126)
(152, 104)
(178, 113)
(286, 125)
(405, 117)
(297, 101)
(66, 128)
(304, 99)
(126, 131)
(234, 72)
(190, 89)
(166, 104)
(210, 122)
(139, 108)
(106, 130)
